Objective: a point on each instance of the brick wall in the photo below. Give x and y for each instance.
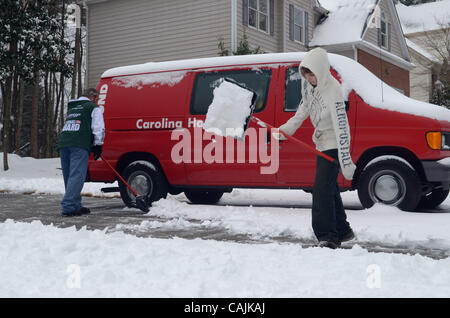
(389, 73)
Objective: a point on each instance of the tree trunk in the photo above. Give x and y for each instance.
(20, 115)
(6, 119)
(35, 117)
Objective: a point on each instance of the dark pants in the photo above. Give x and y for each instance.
(329, 221)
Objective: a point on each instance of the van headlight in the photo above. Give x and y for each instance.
(438, 140)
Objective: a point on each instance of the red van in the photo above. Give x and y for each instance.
(397, 143)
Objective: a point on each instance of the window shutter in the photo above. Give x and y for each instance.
(306, 29)
(291, 22)
(389, 37)
(272, 17)
(245, 12)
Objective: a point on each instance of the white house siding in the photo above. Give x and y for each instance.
(371, 35)
(421, 75)
(420, 78)
(124, 32)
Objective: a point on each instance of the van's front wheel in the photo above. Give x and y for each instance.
(203, 196)
(390, 182)
(146, 180)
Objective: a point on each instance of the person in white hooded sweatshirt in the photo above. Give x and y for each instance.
(323, 102)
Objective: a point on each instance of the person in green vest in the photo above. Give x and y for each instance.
(83, 133)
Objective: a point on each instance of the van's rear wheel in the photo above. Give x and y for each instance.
(203, 196)
(391, 182)
(433, 199)
(146, 180)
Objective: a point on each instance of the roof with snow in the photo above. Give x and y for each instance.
(424, 17)
(345, 22)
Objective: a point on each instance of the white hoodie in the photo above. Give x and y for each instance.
(325, 106)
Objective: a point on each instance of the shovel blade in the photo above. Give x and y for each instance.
(141, 203)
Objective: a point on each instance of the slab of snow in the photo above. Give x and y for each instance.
(344, 23)
(424, 17)
(229, 110)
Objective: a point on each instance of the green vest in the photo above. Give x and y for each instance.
(77, 131)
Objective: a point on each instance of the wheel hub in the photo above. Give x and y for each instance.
(387, 187)
(140, 183)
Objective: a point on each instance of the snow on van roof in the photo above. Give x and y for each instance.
(354, 76)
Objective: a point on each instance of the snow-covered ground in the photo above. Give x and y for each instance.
(42, 260)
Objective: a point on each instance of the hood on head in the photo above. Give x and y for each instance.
(317, 61)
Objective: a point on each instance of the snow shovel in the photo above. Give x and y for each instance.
(232, 107)
(141, 202)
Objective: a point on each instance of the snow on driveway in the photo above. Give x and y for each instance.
(42, 260)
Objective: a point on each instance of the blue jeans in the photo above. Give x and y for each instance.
(74, 163)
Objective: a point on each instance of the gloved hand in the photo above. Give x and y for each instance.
(97, 151)
(279, 136)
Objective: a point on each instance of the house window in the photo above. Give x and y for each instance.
(385, 32)
(299, 25)
(258, 14)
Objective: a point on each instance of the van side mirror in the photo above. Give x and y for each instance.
(347, 105)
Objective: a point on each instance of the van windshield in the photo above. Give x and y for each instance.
(202, 95)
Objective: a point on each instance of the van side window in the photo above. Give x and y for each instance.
(293, 89)
(204, 84)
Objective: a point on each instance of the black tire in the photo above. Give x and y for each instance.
(391, 182)
(145, 179)
(433, 199)
(203, 196)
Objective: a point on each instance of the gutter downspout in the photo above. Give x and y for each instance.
(283, 27)
(233, 26)
(355, 53)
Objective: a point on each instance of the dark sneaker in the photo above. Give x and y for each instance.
(328, 244)
(70, 214)
(348, 236)
(84, 210)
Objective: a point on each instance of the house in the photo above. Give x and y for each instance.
(427, 30)
(138, 31)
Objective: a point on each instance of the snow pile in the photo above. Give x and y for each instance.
(139, 81)
(344, 23)
(424, 17)
(69, 263)
(230, 108)
(29, 175)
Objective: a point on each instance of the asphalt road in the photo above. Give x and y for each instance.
(107, 213)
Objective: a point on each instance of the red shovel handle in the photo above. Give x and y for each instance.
(295, 140)
(117, 174)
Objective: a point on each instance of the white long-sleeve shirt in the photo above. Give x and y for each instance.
(97, 125)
